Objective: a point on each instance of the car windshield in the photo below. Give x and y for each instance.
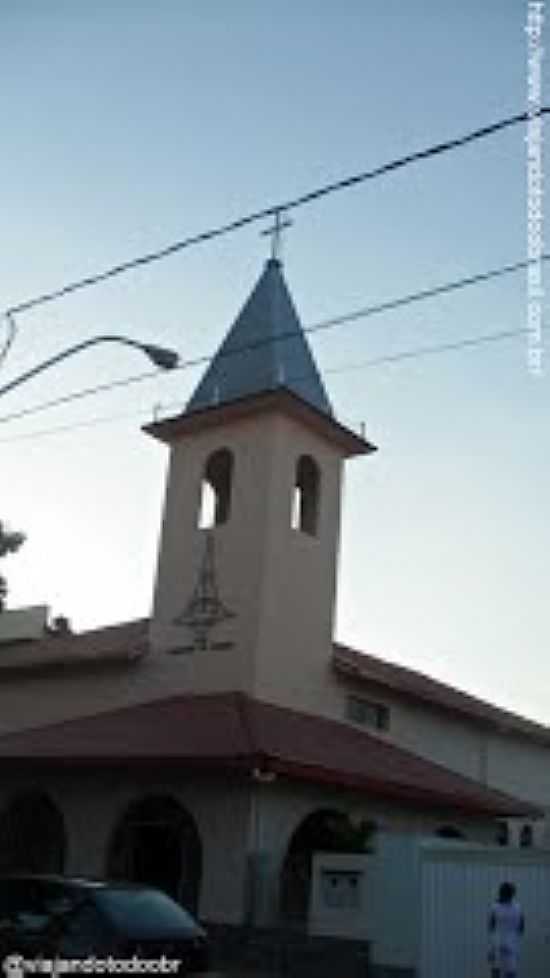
(144, 912)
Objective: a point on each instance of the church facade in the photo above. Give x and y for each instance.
(213, 748)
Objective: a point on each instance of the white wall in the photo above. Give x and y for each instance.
(425, 904)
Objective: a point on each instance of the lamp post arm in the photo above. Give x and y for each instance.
(166, 359)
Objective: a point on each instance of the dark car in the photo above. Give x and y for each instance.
(57, 917)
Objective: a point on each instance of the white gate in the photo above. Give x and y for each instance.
(458, 883)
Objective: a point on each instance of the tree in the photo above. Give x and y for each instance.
(10, 541)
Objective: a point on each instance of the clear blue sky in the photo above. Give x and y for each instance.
(127, 125)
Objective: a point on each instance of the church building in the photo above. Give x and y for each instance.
(214, 747)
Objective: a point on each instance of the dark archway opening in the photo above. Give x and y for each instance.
(215, 501)
(324, 830)
(503, 834)
(450, 832)
(526, 836)
(157, 842)
(305, 503)
(32, 835)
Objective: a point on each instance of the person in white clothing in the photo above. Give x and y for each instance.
(506, 927)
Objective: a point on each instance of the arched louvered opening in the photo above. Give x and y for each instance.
(306, 496)
(216, 487)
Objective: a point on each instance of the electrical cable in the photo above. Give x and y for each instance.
(364, 313)
(272, 210)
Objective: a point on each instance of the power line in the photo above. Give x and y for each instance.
(271, 210)
(421, 351)
(406, 300)
(363, 313)
(390, 358)
(73, 426)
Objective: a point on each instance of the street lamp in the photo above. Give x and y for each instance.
(160, 356)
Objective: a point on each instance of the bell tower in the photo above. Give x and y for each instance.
(246, 577)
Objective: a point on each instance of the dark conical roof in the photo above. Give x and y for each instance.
(265, 350)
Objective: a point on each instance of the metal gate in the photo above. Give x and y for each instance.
(458, 884)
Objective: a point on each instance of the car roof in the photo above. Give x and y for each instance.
(83, 882)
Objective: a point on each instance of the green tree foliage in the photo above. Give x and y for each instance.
(10, 541)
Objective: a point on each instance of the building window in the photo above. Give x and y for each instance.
(526, 836)
(215, 502)
(367, 713)
(503, 834)
(305, 499)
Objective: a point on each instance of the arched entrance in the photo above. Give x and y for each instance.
(324, 830)
(32, 835)
(156, 841)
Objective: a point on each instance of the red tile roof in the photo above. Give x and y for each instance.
(233, 731)
(418, 686)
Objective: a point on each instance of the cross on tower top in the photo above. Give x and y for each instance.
(276, 232)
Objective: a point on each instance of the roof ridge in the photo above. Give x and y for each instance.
(117, 710)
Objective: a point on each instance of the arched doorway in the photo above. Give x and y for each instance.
(32, 835)
(156, 841)
(324, 830)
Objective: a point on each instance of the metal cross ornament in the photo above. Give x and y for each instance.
(276, 233)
